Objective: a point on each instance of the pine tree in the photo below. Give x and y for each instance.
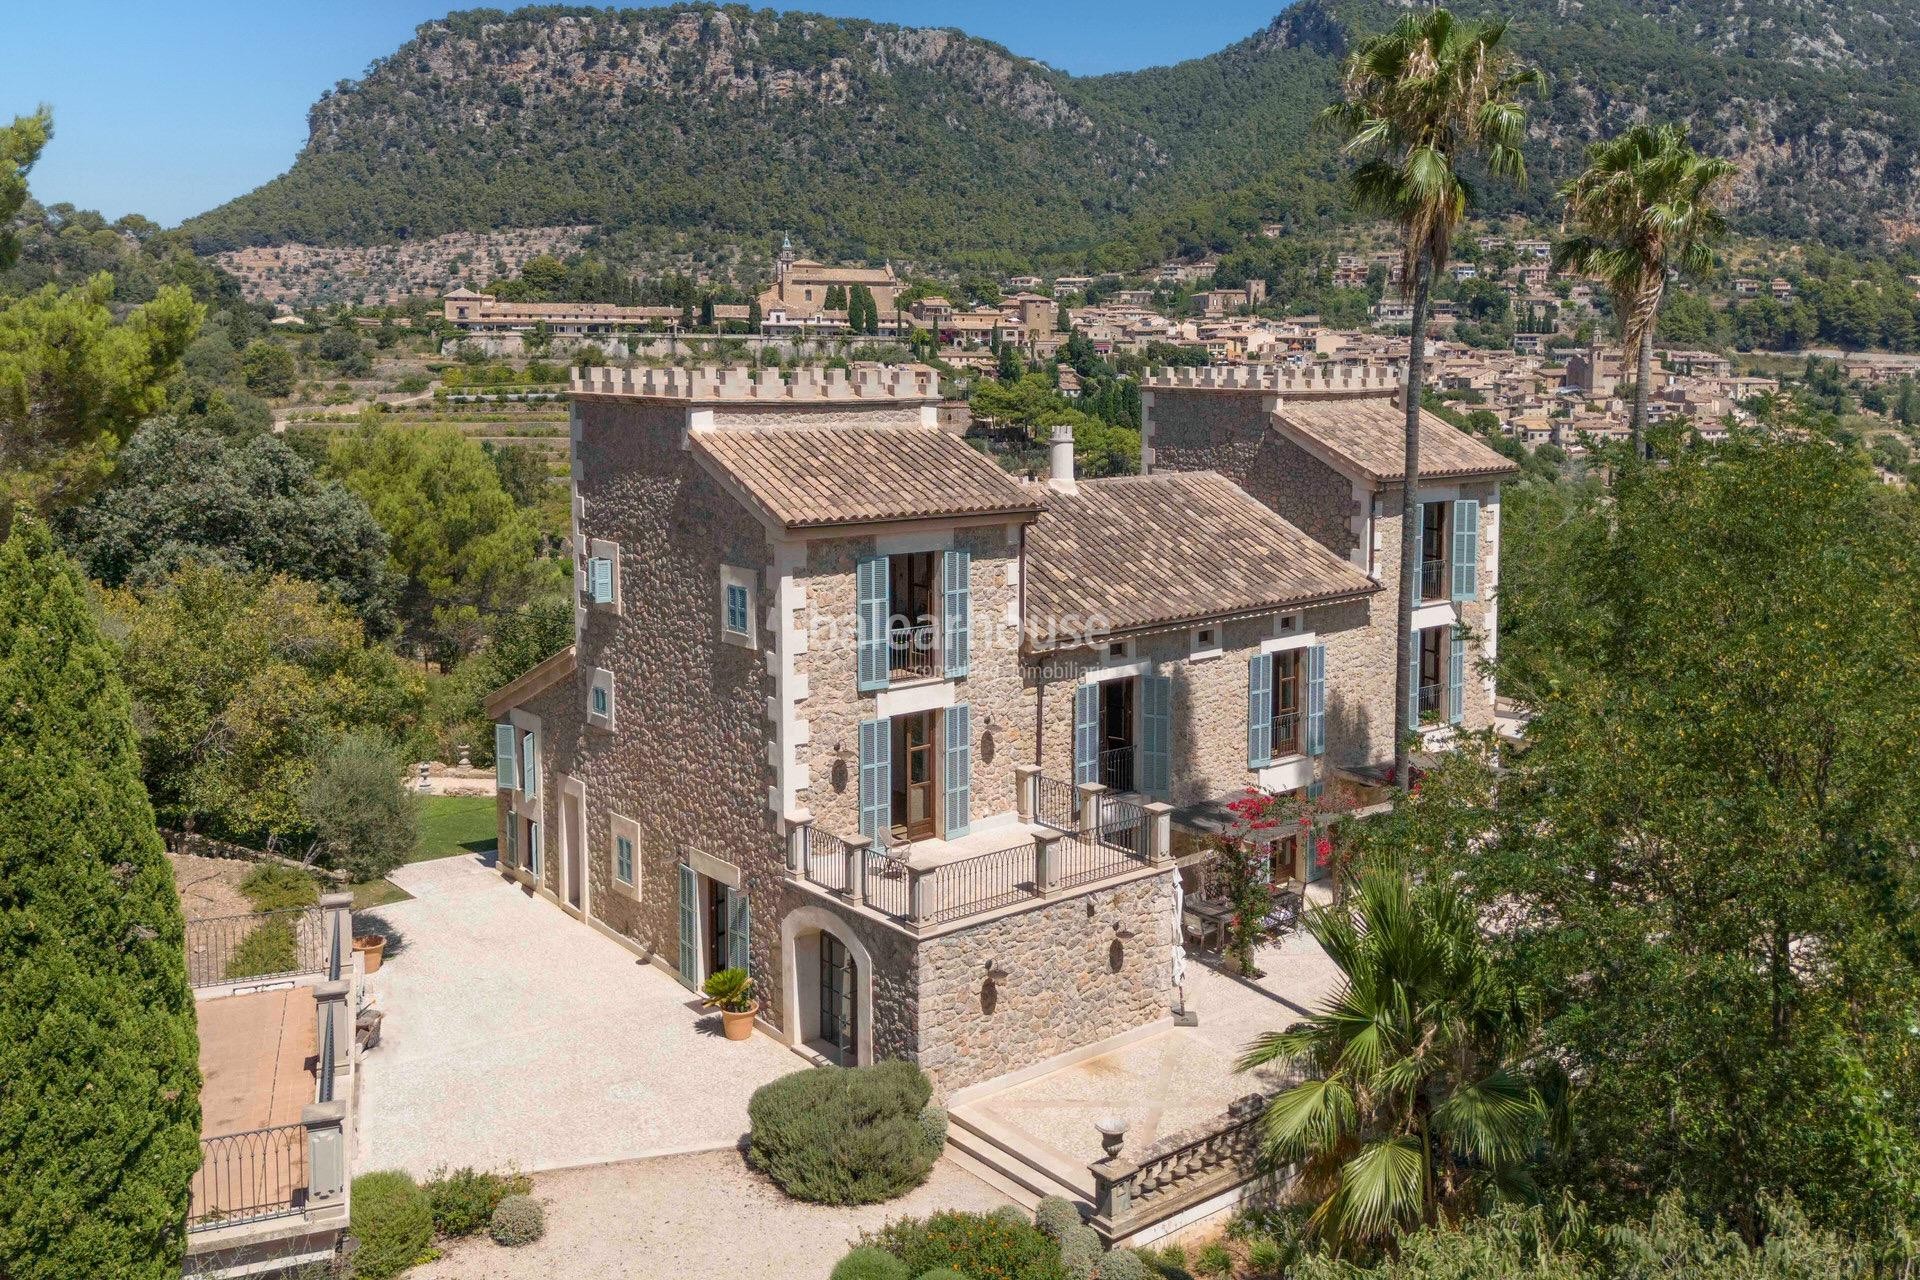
(99, 1073)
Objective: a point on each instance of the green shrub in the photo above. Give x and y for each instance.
(269, 947)
(869, 1263)
(1266, 1257)
(464, 1200)
(1011, 1213)
(273, 886)
(392, 1222)
(517, 1220)
(933, 1127)
(980, 1245)
(1214, 1260)
(944, 1273)
(1055, 1215)
(1123, 1264)
(729, 990)
(1080, 1251)
(839, 1135)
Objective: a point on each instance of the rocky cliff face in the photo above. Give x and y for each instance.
(870, 139)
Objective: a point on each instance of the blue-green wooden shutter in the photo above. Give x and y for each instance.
(689, 927)
(529, 764)
(1156, 747)
(738, 922)
(602, 573)
(533, 849)
(876, 780)
(623, 860)
(1466, 549)
(1412, 678)
(505, 774)
(1317, 700)
(1086, 733)
(1316, 868)
(870, 621)
(513, 839)
(1419, 548)
(956, 609)
(1457, 677)
(1260, 711)
(958, 768)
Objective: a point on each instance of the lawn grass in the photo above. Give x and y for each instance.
(377, 893)
(453, 825)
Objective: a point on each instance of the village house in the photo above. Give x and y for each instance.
(482, 314)
(910, 739)
(796, 303)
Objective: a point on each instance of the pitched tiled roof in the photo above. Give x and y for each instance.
(550, 671)
(1170, 548)
(811, 476)
(1369, 433)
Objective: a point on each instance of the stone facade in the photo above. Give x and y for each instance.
(1070, 981)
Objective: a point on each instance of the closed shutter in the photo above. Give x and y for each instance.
(1317, 700)
(689, 927)
(513, 839)
(1457, 677)
(1260, 711)
(505, 775)
(956, 609)
(1086, 733)
(529, 765)
(738, 923)
(1156, 746)
(623, 859)
(602, 580)
(1316, 865)
(870, 621)
(1466, 549)
(1419, 548)
(876, 780)
(958, 770)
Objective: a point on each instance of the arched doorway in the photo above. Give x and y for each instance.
(829, 986)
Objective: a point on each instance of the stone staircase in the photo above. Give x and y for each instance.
(1004, 1161)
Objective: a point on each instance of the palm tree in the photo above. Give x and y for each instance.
(1645, 209)
(1413, 1105)
(1419, 98)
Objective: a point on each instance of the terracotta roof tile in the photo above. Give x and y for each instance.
(1171, 548)
(811, 476)
(1369, 433)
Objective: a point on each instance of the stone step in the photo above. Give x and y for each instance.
(989, 1144)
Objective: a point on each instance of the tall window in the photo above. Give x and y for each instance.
(1287, 720)
(1433, 673)
(912, 587)
(1433, 551)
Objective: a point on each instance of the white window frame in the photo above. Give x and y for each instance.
(620, 826)
(601, 549)
(747, 579)
(600, 679)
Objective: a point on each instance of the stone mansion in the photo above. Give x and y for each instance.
(925, 747)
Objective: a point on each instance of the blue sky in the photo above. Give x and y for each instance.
(170, 109)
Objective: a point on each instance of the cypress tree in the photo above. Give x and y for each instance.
(99, 1056)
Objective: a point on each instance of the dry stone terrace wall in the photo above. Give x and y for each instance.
(686, 758)
(1070, 981)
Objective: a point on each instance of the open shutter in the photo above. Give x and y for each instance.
(529, 765)
(513, 840)
(1419, 549)
(876, 781)
(870, 621)
(1316, 865)
(1156, 746)
(689, 927)
(1260, 711)
(1466, 549)
(533, 849)
(1086, 733)
(1317, 700)
(738, 923)
(1411, 677)
(505, 774)
(957, 609)
(958, 770)
(1457, 677)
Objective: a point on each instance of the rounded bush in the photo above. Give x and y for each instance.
(1011, 1213)
(1080, 1251)
(840, 1135)
(517, 1220)
(1054, 1215)
(463, 1200)
(943, 1273)
(1124, 1264)
(974, 1244)
(393, 1223)
(933, 1127)
(869, 1263)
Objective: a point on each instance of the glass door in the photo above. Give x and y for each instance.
(837, 1008)
(913, 798)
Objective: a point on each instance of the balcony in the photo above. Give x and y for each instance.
(1433, 579)
(913, 652)
(1052, 850)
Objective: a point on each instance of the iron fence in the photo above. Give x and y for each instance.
(1116, 768)
(913, 652)
(1124, 825)
(248, 1177)
(264, 944)
(1056, 804)
(823, 859)
(983, 882)
(1082, 861)
(889, 884)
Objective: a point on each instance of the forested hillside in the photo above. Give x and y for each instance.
(871, 140)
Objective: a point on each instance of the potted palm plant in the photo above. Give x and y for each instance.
(731, 992)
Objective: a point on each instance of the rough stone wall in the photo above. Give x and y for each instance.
(896, 996)
(1206, 431)
(686, 758)
(872, 413)
(1314, 497)
(834, 706)
(1069, 982)
(1209, 745)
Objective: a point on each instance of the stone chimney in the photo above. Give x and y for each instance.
(1061, 480)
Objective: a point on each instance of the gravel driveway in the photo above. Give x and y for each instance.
(695, 1215)
(515, 1035)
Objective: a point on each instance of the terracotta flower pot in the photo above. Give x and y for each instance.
(739, 1025)
(371, 947)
